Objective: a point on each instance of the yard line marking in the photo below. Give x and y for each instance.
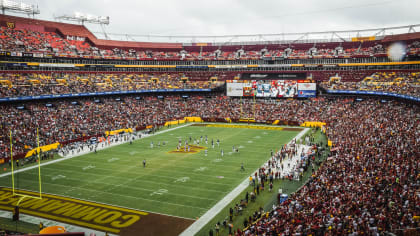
(55, 177)
(159, 192)
(210, 214)
(113, 159)
(182, 179)
(138, 188)
(85, 152)
(151, 175)
(201, 169)
(166, 164)
(88, 167)
(121, 195)
(151, 169)
(135, 188)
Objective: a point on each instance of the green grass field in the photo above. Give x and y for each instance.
(177, 184)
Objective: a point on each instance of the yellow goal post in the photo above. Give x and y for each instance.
(15, 191)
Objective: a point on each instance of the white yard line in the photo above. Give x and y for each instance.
(36, 220)
(87, 151)
(120, 195)
(210, 214)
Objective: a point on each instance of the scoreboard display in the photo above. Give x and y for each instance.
(273, 88)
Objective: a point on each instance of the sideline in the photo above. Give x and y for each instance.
(210, 214)
(86, 151)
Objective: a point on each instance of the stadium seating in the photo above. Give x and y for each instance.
(369, 186)
(32, 84)
(68, 40)
(407, 83)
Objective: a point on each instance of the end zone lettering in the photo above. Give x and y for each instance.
(73, 211)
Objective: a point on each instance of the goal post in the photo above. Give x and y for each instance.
(14, 172)
(247, 114)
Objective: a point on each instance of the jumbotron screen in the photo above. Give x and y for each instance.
(271, 88)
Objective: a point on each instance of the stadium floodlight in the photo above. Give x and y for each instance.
(7, 5)
(82, 18)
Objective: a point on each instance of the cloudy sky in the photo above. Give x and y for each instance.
(232, 17)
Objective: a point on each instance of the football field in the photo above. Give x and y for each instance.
(175, 183)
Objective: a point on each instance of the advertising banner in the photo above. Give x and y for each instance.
(234, 89)
(267, 76)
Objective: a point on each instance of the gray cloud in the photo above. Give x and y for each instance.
(221, 17)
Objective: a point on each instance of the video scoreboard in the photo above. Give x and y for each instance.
(272, 85)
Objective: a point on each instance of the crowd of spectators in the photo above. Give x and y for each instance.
(370, 185)
(31, 84)
(407, 83)
(26, 40)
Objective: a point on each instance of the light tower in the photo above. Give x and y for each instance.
(82, 18)
(7, 5)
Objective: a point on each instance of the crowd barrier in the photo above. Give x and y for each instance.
(76, 95)
(412, 98)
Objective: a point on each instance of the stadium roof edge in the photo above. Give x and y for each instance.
(140, 41)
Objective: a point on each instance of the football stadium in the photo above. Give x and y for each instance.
(311, 133)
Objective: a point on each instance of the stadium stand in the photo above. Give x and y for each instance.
(30, 84)
(395, 82)
(368, 186)
(68, 40)
(375, 162)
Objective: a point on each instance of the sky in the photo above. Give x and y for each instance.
(232, 17)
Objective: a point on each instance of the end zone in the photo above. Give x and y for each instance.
(97, 216)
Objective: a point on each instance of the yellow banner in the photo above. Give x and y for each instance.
(244, 127)
(186, 119)
(193, 119)
(45, 148)
(358, 39)
(114, 132)
(313, 124)
(381, 83)
(247, 120)
(276, 122)
(10, 25)
(174, 122)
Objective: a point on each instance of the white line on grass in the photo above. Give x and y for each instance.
(149, 175)
(129, 186)
(154, 164)
(153, 212)
(210, 214)
(85, 152)
(121, 195)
